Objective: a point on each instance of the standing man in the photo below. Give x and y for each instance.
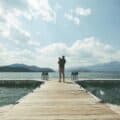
(59, 67)
(61, 63)
(63, 67)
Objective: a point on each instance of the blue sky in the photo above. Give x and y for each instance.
(39, 31)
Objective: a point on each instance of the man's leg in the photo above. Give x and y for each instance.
(63, 76)
(59, 76)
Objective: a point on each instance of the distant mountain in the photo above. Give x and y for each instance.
(23, 68)
(106, 67)
(17, 65)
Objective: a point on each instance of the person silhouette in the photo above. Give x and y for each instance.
(59, 68)
(61, 63)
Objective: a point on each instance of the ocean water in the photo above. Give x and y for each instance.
(37, 75)
(106, 91)
(10, 95)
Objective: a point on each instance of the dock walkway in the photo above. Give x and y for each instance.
(60, 101)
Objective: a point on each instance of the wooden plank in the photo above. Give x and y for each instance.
(60, 101)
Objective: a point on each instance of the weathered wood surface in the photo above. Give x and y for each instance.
(60, 101)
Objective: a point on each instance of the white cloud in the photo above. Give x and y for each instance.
(82, 12)
(74, 14)
(3, 54)
(83, 52)
(34, 43)
(42, 9)
(54, 50)
(16, 56)
(68, 16)
(11, 24)
(88, 51)
(9, 20)
(71, 18)
(20, 36)
(76, 20)
(1, 10)
(2, 48)
(30, 8)
(5, 33)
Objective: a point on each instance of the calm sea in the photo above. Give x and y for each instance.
(108, 92)
(12, 95)
(37, 75)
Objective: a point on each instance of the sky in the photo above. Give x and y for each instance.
(37, 32)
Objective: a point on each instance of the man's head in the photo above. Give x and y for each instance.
(63, 56)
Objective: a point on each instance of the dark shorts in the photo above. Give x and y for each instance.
(62, 70)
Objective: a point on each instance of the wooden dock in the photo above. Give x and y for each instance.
(60, 101)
